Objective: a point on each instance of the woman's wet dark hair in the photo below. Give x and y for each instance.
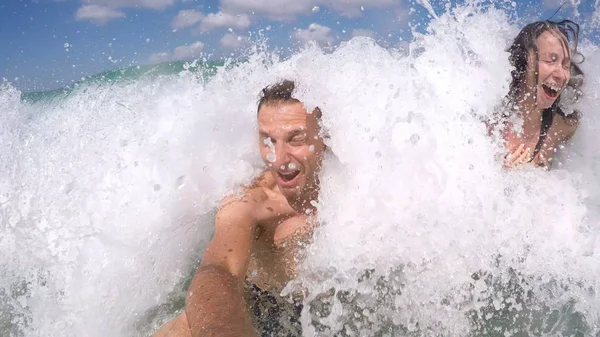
(526, 41)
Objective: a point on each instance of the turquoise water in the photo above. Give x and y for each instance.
(128, 75)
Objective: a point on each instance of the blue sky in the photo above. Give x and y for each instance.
(47, 44)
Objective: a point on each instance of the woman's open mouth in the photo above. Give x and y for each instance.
(550, 91)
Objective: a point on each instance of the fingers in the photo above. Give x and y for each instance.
(520, 156)
(515, 154)
(524, 157)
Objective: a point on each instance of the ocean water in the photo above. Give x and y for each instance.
(108, 192)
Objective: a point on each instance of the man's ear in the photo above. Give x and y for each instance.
(318, 113)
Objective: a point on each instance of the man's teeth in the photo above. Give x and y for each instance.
(287, 176)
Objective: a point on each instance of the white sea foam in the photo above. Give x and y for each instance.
(107, 195)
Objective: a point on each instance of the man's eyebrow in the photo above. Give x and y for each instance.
(289, 133)
(296, 132)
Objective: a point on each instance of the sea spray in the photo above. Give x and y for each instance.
(110, 200)
(109, 192)
(423, 233)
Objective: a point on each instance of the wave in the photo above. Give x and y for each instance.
(108, 194)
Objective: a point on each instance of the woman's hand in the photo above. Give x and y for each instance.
(521, 155)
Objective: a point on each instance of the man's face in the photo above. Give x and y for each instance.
(291, 147)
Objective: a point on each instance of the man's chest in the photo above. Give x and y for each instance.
(278, 250)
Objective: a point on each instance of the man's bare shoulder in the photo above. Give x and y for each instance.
(261, 199)
(266, 180)
(246, 199)
(252, 195)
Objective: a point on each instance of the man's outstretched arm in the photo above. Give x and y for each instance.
(215, 304)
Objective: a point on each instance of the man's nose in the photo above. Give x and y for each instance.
(282, 155)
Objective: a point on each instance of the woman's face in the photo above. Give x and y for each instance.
(554, 69)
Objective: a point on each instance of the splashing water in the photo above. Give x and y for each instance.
(108, 195)
(107, 201)
(271, 156)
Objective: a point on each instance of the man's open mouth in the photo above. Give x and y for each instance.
(288, 176)
(551, 90)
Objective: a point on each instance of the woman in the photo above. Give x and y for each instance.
(542, 56)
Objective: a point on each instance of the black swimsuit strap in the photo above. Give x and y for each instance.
(547, 117)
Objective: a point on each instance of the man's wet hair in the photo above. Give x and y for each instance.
(280, 93)
(567, 32)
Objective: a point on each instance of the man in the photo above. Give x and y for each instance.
(259, 235)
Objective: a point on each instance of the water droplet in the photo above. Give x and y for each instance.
(157, 187)
(271, 157)
(69, 187)
(316, 9)
(179, 182)
(377, 154)
(311, 148)
(414, 138)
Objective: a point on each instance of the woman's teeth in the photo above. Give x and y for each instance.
(551, 90)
